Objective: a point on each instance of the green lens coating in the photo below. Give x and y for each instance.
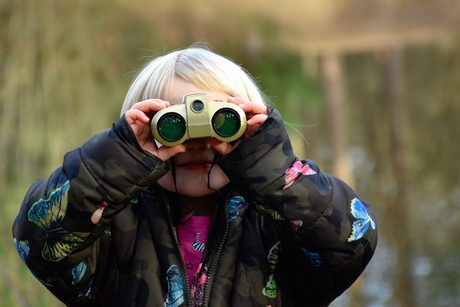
(226, 122)
(171, 127)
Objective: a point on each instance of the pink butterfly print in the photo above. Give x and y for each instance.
(295, 170)
(296, 224)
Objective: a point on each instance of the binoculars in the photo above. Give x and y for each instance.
(198, 118)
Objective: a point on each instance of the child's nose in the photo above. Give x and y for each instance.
(196, 144)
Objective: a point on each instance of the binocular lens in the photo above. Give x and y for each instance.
(226, 122)
(171, 127)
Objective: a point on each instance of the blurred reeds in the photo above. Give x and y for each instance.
(51, 101)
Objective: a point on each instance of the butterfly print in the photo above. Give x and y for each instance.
(175, 295)
(48, 214)
(295, 171)
(359, 227)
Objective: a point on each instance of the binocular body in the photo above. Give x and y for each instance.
(198, 118)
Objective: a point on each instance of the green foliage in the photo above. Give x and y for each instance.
(287, 85)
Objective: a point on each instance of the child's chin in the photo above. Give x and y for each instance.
(196, 192)
(200, 188)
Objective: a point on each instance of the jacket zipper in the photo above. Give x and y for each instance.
(188, 299)
(216, 256)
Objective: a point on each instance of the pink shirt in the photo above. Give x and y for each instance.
(192, 234)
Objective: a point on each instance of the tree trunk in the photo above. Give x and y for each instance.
(331, 70)
(334, 85)
(397, 201)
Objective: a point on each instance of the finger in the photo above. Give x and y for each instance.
(254, 108)
(150, 105)
(237, 100)
(258, 119)
(221, 147)
(136, 115)
(165, 152)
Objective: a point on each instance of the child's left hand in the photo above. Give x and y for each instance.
(256, 114)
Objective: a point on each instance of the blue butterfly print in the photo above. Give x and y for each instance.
(90, 292)
(48, 214)
(315, 258)
(79, 271)
(359, 227)
(233, 205)
(175, 295)
(23, 249)
(135, 200)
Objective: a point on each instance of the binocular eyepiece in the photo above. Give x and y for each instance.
(198, 118)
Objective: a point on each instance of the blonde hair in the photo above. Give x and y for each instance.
(197, 65)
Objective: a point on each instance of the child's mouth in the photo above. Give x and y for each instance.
(192, 165)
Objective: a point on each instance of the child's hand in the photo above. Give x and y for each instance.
(256, 114)
(139, 117)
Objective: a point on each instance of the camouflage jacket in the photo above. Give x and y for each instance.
(100, 232)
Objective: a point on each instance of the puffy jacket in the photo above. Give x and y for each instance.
(282, 234)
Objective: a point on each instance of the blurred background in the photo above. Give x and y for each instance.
(370, 89)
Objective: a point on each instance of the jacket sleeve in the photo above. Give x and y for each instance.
(64, 219)
(328, 233)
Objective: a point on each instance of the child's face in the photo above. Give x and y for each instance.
(192, 166)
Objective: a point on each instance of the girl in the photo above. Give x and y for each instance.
(127, 222)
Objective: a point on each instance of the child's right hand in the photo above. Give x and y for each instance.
(139, 117)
